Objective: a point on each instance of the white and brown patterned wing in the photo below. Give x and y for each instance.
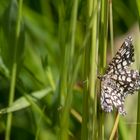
(123, 58)
(119, 81)
(112, 95)
(129, 80)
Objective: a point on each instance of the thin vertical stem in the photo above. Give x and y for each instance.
(103, 52)
(93, 74)
(138, 119)
(11, 99)
(111, 27)
(13, 75)
(138, 105)
(64, 122)
(114, 128)
(86, 44)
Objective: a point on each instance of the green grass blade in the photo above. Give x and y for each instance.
(64, 123)
(22, 103)
(111, 27)
(93, 75)
(103, 41)
(138, 106)
(13, 73)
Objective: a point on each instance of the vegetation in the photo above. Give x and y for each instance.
(51, 53)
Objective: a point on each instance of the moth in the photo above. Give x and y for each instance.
(119, 80)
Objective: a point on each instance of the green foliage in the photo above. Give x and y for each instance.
(50, 55)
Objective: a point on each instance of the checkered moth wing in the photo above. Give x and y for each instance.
(123, 58)
(119, 80)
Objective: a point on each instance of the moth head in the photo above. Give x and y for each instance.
(100, 77)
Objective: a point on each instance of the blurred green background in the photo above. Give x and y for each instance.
(43, 61)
